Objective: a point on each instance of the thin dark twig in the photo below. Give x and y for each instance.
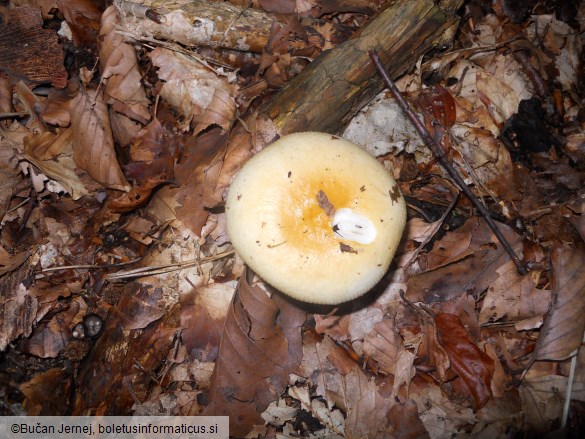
(436, 149)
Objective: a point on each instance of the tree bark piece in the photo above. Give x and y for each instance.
(341, 81)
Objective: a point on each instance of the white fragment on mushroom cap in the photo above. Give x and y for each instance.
(353, 226)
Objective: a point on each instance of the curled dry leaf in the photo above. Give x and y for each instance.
(93, 145)
(202, 97)
(471, 364)
(259, 348)
(563, 328)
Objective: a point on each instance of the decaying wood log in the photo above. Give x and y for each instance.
(220, 25)
(342, 80)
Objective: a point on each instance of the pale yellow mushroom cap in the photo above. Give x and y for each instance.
(319, 252)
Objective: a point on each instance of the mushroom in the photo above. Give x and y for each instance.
(316, 217)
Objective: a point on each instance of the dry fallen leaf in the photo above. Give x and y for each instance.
(564, 326)
(201, 96)
(512, 297)
(119, 67)
(52, 153)
(471, 364)
(93, 145)
(259, 348)
(54, 382)
(405, 421)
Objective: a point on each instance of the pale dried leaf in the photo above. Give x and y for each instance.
(15, 322)
(120, 72)
(559, 39)
(356, 393)
(513, 297)
(53, 155)
(383, 345)
(563, 328)
(200, 96)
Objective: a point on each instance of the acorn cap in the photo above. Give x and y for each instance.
(316, 216)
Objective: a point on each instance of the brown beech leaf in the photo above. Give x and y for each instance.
(47, 393)
(93, 145)
(512, 297)
(405, 421)
(83, 18)
(383, 344)
(259, 348)
(197, 174)
(543, 398)
(153, 153)
(202, 319)
(470, 263)
(438, 102)
(142, 307)
(120, 72)
(10, 262)
(471, 364)
(50, 337)
(563, 328)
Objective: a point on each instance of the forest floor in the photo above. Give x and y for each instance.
(121, 128)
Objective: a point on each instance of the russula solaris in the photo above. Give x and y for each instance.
(316, 217)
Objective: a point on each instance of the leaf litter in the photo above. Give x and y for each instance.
(112, 207)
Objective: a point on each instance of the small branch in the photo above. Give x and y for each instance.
(438, 152)
(162, 269)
